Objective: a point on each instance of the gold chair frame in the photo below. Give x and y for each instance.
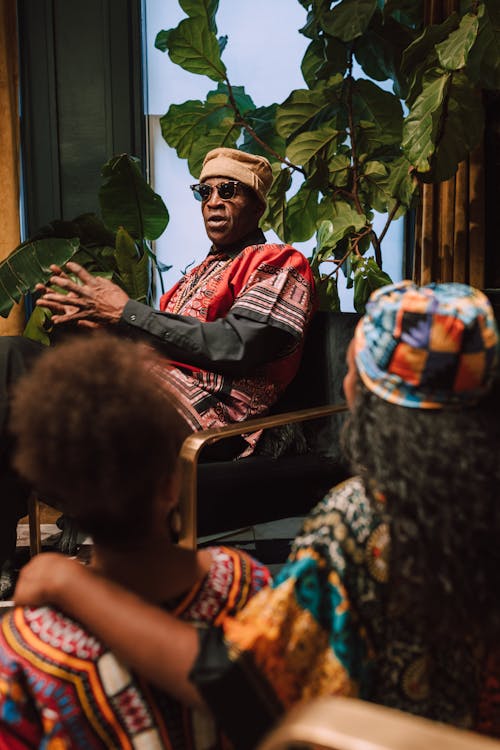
(331, 723)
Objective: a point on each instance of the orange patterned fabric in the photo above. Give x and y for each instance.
(323, 629)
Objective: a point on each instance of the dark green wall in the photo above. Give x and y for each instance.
(81, 100)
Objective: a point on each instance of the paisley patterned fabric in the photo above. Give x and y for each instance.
(61, 688)
(323, 629)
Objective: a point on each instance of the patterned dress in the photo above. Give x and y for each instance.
(267, 283)
(61, 688)
(323, 629)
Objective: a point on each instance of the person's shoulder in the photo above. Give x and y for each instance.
(233, 578)
(347, 495)
(345, 511)
(285, 253)
(238, 566)
(278, 255)
(49, 630)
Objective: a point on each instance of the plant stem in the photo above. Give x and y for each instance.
(377, 248)
(389, 220)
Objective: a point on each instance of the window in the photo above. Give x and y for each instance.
(269, 68)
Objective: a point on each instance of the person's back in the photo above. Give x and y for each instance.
(391, 592)
(104, 447)
(61, 686)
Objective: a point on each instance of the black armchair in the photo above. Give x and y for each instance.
(220, 496)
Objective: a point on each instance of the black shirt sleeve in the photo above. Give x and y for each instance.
(234, 690)
(234, 345)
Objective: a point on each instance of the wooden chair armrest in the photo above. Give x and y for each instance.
(352, 724)
(195, 443)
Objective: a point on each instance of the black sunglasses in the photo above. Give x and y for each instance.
(226, 190)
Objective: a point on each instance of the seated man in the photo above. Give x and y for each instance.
(92, 444)
(230, 331)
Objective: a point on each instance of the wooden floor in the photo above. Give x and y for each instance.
(47, 515)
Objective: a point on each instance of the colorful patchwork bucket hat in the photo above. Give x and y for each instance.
(427, 347)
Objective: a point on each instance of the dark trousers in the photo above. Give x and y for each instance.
(16, 357)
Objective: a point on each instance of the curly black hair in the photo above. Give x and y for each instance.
(96, 435)
(439, 471)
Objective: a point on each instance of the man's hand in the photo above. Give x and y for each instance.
(95, 300)
(45, 577)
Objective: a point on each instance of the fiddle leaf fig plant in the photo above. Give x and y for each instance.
(387, 105)
(116, 246)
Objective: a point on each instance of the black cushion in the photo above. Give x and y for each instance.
(259, 488)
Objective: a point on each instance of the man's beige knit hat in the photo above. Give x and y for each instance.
(253, 171)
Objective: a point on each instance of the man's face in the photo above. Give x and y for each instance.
(228, 221)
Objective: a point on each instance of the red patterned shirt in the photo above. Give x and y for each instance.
(261, 291)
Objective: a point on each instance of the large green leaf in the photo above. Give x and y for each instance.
(490, 62)
(207, 9)
(263, 122)
(349, 19)
(421, 125)
(312, 28)
(135, 270)
(367, 277)
(39, 325)
(303, 106)
(377, 190)
(195, 126)
(128, 201)
(301, 214)
(327, 295)
(432, 35)
(29, 265)
(328, 246)
(373, 186)
(461, 129)
(313, 61)
(483, 64)
(194, 47)
(96, 259)
(338, 167)
(345, 221)
(408, 12)
(421, 54)
(274, 217)
(243, 100)
(445, 123)
(401, 182)
(324, 58)
(380, 109)
(454, 51)
(325, 241)
(317, 173)
(380, 49)
(185, 123)
(225, 134)
(310, 144)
